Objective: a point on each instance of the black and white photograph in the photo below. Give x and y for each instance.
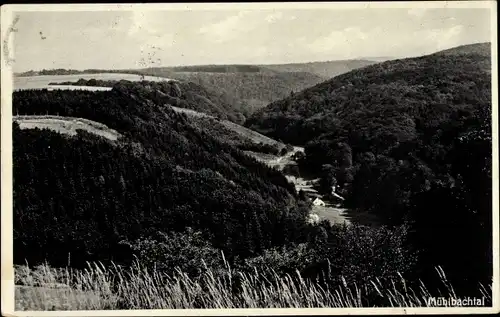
(282, 158)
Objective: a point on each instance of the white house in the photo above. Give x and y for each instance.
(318, 202)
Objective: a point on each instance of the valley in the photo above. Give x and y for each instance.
(331, 212)
(334, 214)
(243, 181)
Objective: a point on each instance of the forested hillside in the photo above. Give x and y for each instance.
(83, 195)
(409, 140)
(182, 94)
(226, 95)
(173, 195)
(253, 90)
(255, 86)
(246, 88)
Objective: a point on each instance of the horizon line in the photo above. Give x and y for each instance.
(369, 59)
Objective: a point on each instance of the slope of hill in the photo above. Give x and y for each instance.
(257, 85)
(400, 87)
(323, 69)
(100, 196)
(251, 90)
(246, 88)
(478, 48)
(409, 140)
(234, 134)
(184, 94)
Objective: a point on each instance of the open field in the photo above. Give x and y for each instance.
(66, 125)
(42, 82)
(72, 87)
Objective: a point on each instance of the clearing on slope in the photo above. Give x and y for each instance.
(44, 81)
(66, 125)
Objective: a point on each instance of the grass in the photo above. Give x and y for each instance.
(100, 288)
(239, 129)
(66, 125)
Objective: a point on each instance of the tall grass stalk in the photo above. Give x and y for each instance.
(136, 287)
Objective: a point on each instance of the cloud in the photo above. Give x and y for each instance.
(417, 12)
(273, 17)
(142, 24)
(234, 26)
(445, 38)
(338, 41)
(146, 28)
(353, 41)
(151, 39)
(229, 28)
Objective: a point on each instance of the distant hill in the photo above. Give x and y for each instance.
(63, 71)
(252, 89)
(246, 88)
(255, 86)
(323, 69)
(444, 77)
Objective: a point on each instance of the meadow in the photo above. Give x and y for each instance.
(43, 82)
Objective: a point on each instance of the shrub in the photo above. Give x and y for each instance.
(360, 253)
(288, 259)
(188, 251)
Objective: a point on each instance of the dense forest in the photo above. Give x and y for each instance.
(225, 134)
(178, 93)
(253, 90)
(87, 175)
(410, 141)
(187, 95)
(172, 195)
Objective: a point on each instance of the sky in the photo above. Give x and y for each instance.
(132, 39)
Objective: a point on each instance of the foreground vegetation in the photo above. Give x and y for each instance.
(99, 288)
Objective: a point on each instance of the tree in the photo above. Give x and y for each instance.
(328, 179)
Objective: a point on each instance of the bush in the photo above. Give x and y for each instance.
(188, 251)
(360, 253)
(285, 260)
